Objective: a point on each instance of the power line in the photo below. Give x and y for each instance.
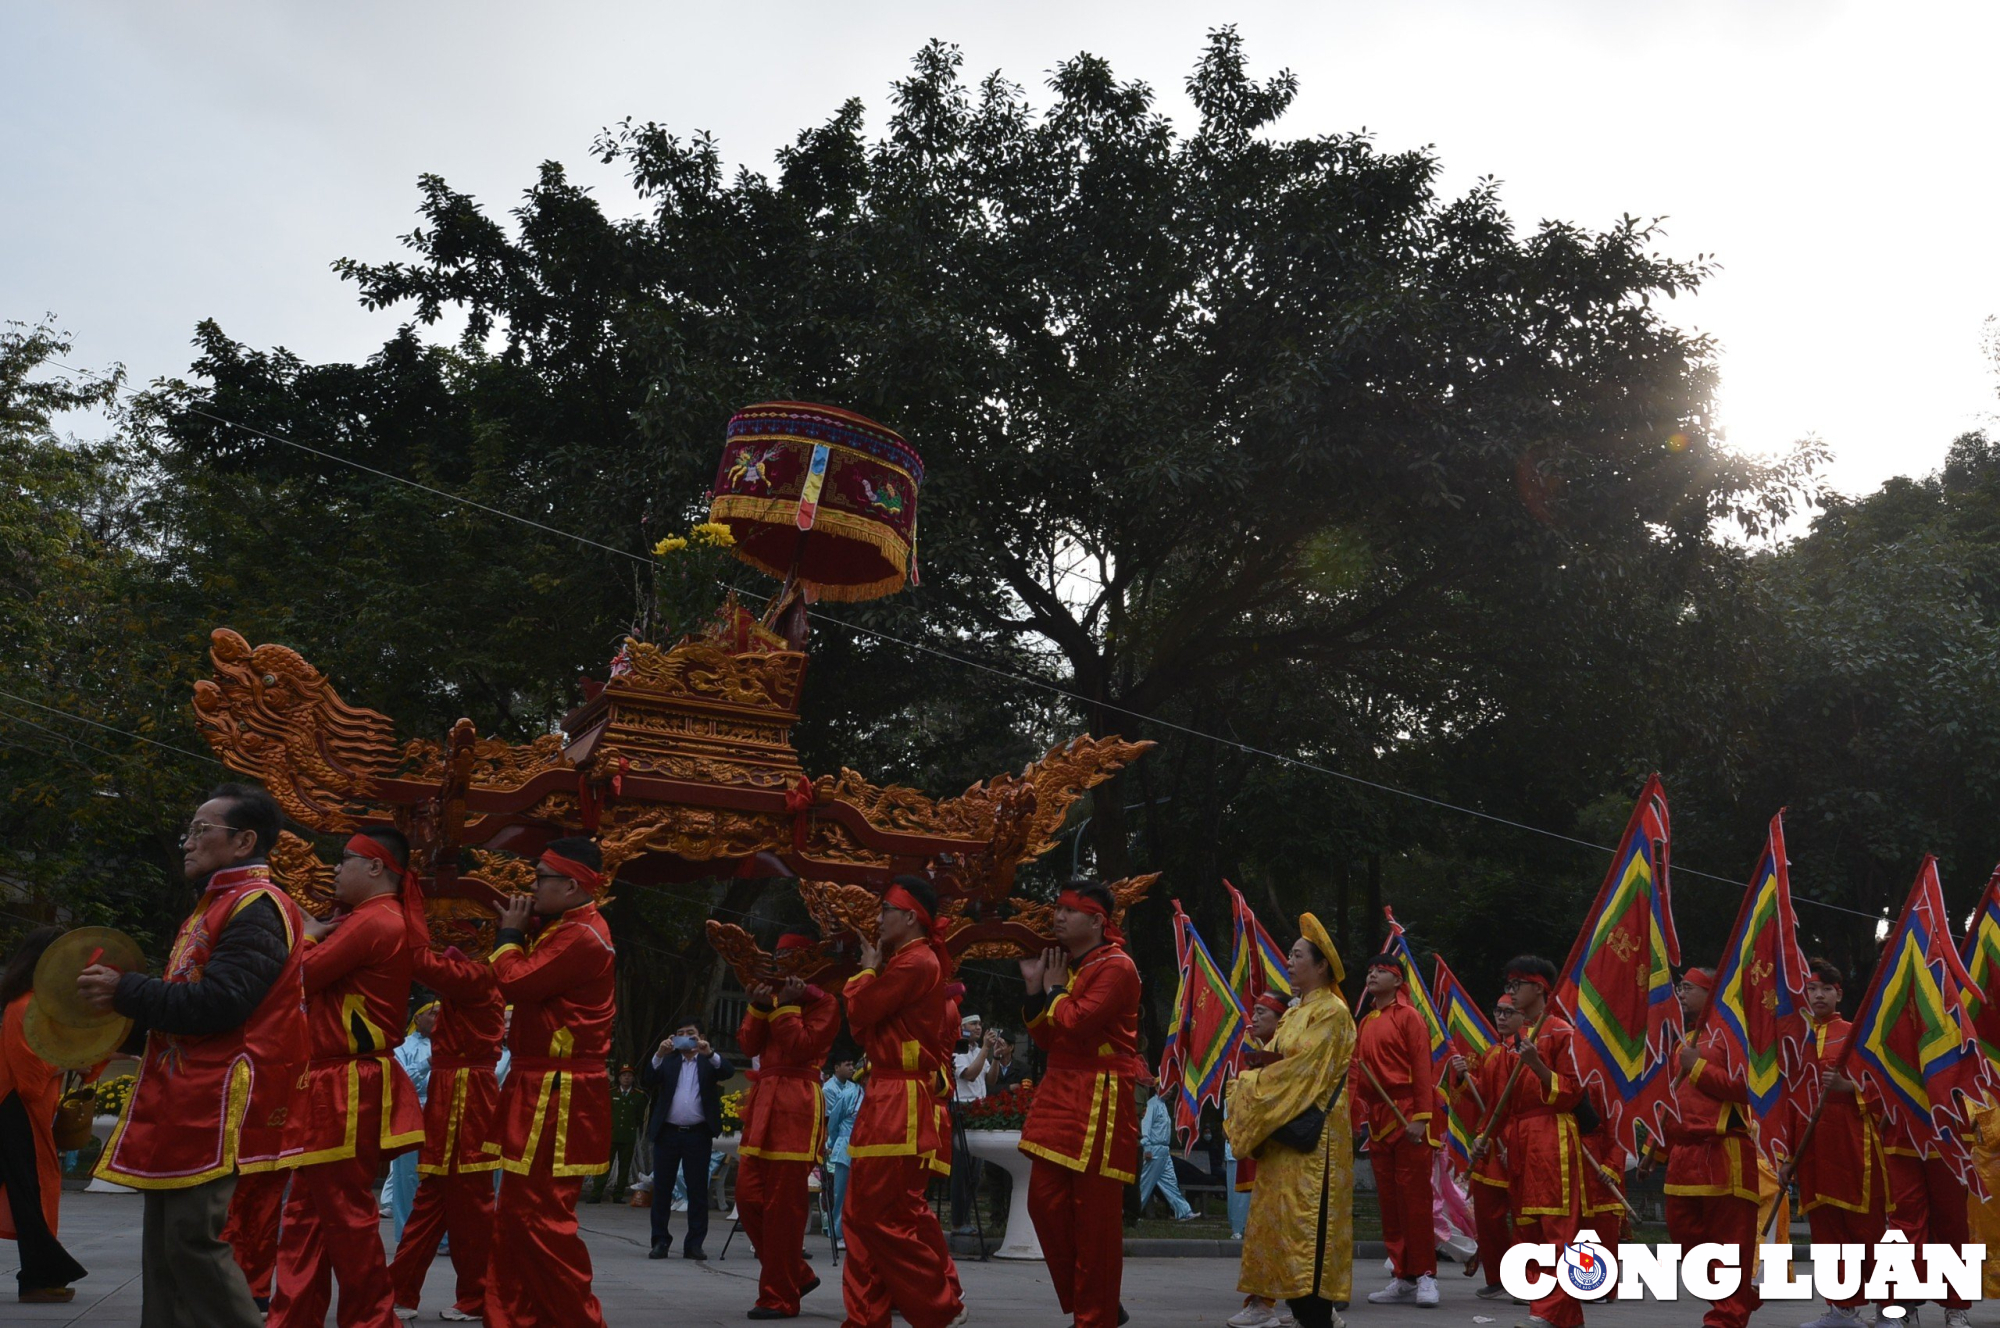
(1009, 674)
(108, 728)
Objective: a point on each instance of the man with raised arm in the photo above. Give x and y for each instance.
(1711, 1161)
(1843, 1189)
(455, 1193)
(225, 1041)
(359, 1107)
(553, 1126)
(1390, 1089)
(896, 1254)
(790, 1029)
(1082, 1131)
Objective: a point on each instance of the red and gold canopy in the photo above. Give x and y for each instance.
(822, 493)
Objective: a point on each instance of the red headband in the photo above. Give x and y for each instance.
(1506, 999)
(897, 897)
(791, 940)
(589, 878)
(414, 922)
(1700, 977)
(1273, 1002)
(1085, 904)
(1535, 978)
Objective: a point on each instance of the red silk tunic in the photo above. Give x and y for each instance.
(357, 984)
(465, 1047)
(1083, 1115)
(562, 990)
(205, 1106)
(1707, 1142)
(1841, 1166)
(1545, 1166)
(1393, 1042)
(896, 1013)
(1489, 1076)
(784, 1119)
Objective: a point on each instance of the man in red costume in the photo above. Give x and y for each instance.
(1843, 1188)
(1711, 1161)
(225, 1041)
(359, 1107)
(790, 1029)
(1390, 1089)
(553, 1127)
(455, 1196)
(252, 1228)
(896, 1254)
(1480, 1088)
(1082, 1009)
(1928, 1203)
(1536, 1108)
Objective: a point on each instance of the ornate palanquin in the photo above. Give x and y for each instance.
(681, 764)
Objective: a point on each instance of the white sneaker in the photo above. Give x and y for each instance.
(1427, 1290)
(1837, 1316)
(1494, 1292)
(1253, 1315)
(1400, 1291)
(405, 1313)
(1957, 1319)
(457, 1315)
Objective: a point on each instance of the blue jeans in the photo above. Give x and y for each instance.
(839, 1170)
(1239, 1202)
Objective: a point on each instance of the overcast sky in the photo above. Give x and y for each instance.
(165, 163)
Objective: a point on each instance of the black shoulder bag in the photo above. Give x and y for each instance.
(1301, 1132)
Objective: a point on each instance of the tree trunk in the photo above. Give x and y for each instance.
(1368, 923)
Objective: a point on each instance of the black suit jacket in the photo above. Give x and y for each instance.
(667, 1078)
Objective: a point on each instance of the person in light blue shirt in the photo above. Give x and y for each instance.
(843, 1100)
(415, 1057)
(1156, 1154)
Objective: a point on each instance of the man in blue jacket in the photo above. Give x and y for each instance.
(686, 1118)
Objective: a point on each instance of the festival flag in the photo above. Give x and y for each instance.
(1414, 987)
(1468, 1035)
(1982, 965)
(1256, 964)
(1205, 1035)
(1913, 1039)
(1617, 985)
(1759, 996)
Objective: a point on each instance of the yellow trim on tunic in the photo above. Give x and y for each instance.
(908, 1147)
(236, 1101)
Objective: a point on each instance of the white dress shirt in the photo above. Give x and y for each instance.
(685, 1106)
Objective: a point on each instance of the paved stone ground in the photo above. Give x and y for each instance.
(103, 1232)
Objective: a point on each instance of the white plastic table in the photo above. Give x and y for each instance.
(1001, 1148)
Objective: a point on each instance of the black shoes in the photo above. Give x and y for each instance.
(761, 1313)
(696, 1255)
(659, 1251)
(808, 1288)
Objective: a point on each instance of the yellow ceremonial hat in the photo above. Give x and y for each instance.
(1310, 928)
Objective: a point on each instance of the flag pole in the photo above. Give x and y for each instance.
(1383, 1093)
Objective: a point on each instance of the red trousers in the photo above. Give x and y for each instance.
(1080, 1218)
(1495, 1223)
(461, 1206)
(1839, 1226)
(771, 1201)
(539, 1272)
(1929, 1205)
(1403, 1185)
(1725, 1220)
(1557, 1308)
(896, 1255)
(252, 1228)
(332, 1231)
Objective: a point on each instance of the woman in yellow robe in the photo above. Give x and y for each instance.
(1298, 1244)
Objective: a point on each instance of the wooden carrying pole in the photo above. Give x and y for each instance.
(1376, 1084)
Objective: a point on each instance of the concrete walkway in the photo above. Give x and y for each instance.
(102, 1230)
